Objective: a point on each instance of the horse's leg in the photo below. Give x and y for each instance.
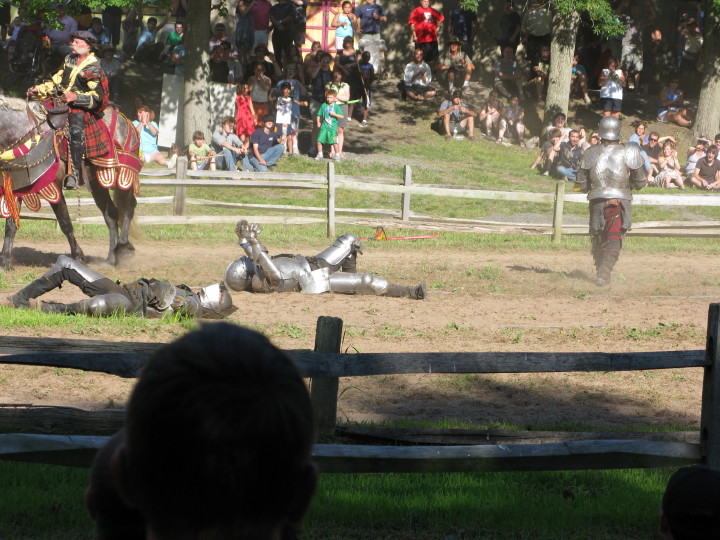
(66, 226)
(125, 202)
(6, 255)
(102, 199)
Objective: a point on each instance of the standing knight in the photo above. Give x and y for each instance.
(608, 173)
(82, 84)
(259, 272)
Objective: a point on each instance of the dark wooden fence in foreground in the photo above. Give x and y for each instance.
(33, 433)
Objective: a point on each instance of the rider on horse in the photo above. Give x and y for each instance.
(82, 84)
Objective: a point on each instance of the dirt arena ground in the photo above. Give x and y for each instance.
(479, 301)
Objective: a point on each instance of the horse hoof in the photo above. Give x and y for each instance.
(124, 253)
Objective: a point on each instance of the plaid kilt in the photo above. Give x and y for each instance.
(97, 140)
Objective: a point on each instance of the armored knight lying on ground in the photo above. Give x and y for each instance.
(259, 272)
(145, 297)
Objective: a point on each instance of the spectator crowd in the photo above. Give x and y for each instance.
(274, 90)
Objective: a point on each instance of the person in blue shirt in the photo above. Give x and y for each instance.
(369, 16)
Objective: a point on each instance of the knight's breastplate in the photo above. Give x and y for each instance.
(609, 175)
(290, 268)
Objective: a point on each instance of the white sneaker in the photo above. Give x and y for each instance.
(319, 156)
(451, 86)
(364, 123)
(172, 161)
(466, 84)
(337, 157)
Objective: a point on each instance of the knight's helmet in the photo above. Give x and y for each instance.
(216, 301)
(609, 128)
(239, 274)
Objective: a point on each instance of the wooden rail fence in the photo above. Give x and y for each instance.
(34, 431)
(402, 217)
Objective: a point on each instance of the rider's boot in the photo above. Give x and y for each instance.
(76, 125)
(401, 291)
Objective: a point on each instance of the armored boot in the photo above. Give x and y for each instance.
(37, 288)
(605, 267)
(401, 291)
(76, 127)
(53, 307)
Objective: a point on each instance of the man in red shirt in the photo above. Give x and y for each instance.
(424, 22)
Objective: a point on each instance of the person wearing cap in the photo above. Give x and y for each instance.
(101, 33)
(83, 85)
(145, 297)
(297, 89)
(454, 63)
(691, 504)
(457, 116)
(608, 173)
(266, 147)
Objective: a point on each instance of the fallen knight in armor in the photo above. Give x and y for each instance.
(333, 270)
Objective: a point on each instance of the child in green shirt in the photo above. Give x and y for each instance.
(327, 123)
(199, 151)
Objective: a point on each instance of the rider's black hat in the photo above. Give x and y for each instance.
(86, 36)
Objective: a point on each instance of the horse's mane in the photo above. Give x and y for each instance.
(12, 104)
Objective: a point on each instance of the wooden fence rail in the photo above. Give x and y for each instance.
(326, 364)
(181, 178)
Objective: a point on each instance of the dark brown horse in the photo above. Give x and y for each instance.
(19, 123)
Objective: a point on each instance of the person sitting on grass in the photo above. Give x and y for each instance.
(456, 65)
(511, 120)
(217, 444)
(227, 145)
(691, 504)
(671, 106)
(327, 124)
(578, 83)
(417, 78)
(457, 116)
(569, 156)
(508, 74)
(148, 131)
(669, 170)
(266, 147)
(489, 116)
(707, 171)
(199, 151)
(548, 154)
(695, 154)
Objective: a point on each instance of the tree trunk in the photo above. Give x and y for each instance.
(197, 74)
(708, 115)
(562, 49)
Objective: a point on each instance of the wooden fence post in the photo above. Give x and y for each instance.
(710, 412)
(407, 181)
(331, 200)
(179, 197)
(324, 392)
(558, 211)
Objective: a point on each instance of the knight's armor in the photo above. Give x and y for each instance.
(611, 171)
(608, 173)
(259, 272)
(145, 297)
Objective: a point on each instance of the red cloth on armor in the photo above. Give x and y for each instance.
(613, 218)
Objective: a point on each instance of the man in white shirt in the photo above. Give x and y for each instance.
(417, 77)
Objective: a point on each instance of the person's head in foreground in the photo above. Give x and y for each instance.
(691, 504)
(218, 439)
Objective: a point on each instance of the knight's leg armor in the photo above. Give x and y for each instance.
(612, 237)
(97, 306)
(76, 128)
(347, 283)
(596, 243)
(89, 281)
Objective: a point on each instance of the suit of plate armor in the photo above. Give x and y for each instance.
(608, 173)
(259, 272)
(145, 297)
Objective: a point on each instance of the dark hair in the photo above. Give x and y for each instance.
(152, 19)
(198, 135)
(713, 149)
(285, 85)
(228, 120)
(556, 132)
(691, 503)
(219, 436)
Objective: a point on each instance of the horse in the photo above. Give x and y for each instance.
(38, 129)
